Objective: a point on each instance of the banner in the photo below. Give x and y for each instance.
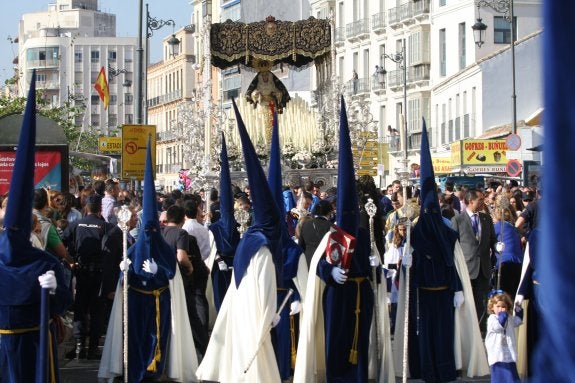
(441, 165)
(47, 172)
(479, 152)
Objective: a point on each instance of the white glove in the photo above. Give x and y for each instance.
(391, 273)
(374, 261)
(295, 307)
(406, 258)
(338, 275)
(458, 299)
(48, 281)
(276, 320)
(222, 265)
(500, 246)
(125, 265)
(150, 266)
(518, 302)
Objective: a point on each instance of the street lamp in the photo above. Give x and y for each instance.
(152, 24)
(401, 59)
(506, 8)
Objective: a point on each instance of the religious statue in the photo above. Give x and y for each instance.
(266, 88)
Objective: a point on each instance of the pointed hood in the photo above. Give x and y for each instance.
(431, 235)
(290, 250)
(226, 236)
(347, 214)
(16, 248)
(150, 242)
(265, 228)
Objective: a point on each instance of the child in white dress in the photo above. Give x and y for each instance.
(500, 339)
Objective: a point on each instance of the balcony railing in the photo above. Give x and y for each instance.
(166, 136)
(356, 87)
(378, 84)
(165, 98)
(378, 22)
(420, 7)
(339, 35)
(395, 78)
(357, 30)
(418, 73)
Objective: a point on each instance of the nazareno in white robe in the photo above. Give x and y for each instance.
(470, 355)
(182, 359)
(245, 319)
(310, 363)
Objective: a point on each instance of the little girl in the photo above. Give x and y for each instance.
(500, 339)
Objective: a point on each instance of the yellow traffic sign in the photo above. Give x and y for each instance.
(366, 153)
(367, 172)
(134, 145)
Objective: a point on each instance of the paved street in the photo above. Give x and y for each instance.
(86, 371)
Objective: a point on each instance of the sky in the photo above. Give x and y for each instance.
(126, 12)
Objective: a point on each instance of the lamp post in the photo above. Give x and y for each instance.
(152, 24)
(504, 7)
(401, 59)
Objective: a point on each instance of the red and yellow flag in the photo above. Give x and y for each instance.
(101, 86)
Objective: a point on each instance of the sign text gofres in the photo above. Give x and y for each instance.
(479, 152)
(134, 142)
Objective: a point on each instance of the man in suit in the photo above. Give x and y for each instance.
(312, 231)
(477, 238)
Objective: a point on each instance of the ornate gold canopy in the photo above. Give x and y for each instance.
(295, 43)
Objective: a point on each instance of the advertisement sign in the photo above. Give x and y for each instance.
(441, 165)
(134, 146)
(47, 172)
(479, 152)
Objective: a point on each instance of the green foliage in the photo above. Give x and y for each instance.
(65, 116)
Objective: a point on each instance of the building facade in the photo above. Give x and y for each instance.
(67, 45)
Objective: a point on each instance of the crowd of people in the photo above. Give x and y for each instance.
(454, 255)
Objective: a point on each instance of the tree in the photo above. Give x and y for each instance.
(65, 116)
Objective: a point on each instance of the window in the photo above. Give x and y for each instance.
(113, 99)
(442, 54)
(112, 119)
(442, 3)
(95, 99)
(129, 118)
(128, 98)
(502, 30)
(95, 56)
(112, 55)
(78, 57)
(462, 57)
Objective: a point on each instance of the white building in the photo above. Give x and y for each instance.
(68, 45)
(460, 89)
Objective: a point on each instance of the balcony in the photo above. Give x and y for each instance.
(408, 13)
(418, 74)
(339, 36)
(378, 23)
(165, 98)
(378, 84)
(395, 79)
(421, 9)
(48, 63)
(358, 30)
(165, 136)
(358, 87)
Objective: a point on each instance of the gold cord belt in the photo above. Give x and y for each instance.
(353, 351)
(440, 288)
(157, 352)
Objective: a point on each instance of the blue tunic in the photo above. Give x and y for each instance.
(339, 306)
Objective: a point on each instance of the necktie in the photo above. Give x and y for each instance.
(475, 224)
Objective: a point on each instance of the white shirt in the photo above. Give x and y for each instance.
(500, 341)
(202, 234)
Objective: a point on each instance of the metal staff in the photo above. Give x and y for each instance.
(264, 337)
(43, 348)
(406, 250)
(124, 216)
(503, 205)
(371, 209)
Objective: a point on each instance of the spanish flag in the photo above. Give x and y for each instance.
(101, 86)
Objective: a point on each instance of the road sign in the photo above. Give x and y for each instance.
(513, 168)
(134, 145)
(110, 144)
(513, 142)
(365, 153)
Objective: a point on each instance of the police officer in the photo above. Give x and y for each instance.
(84, 241)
